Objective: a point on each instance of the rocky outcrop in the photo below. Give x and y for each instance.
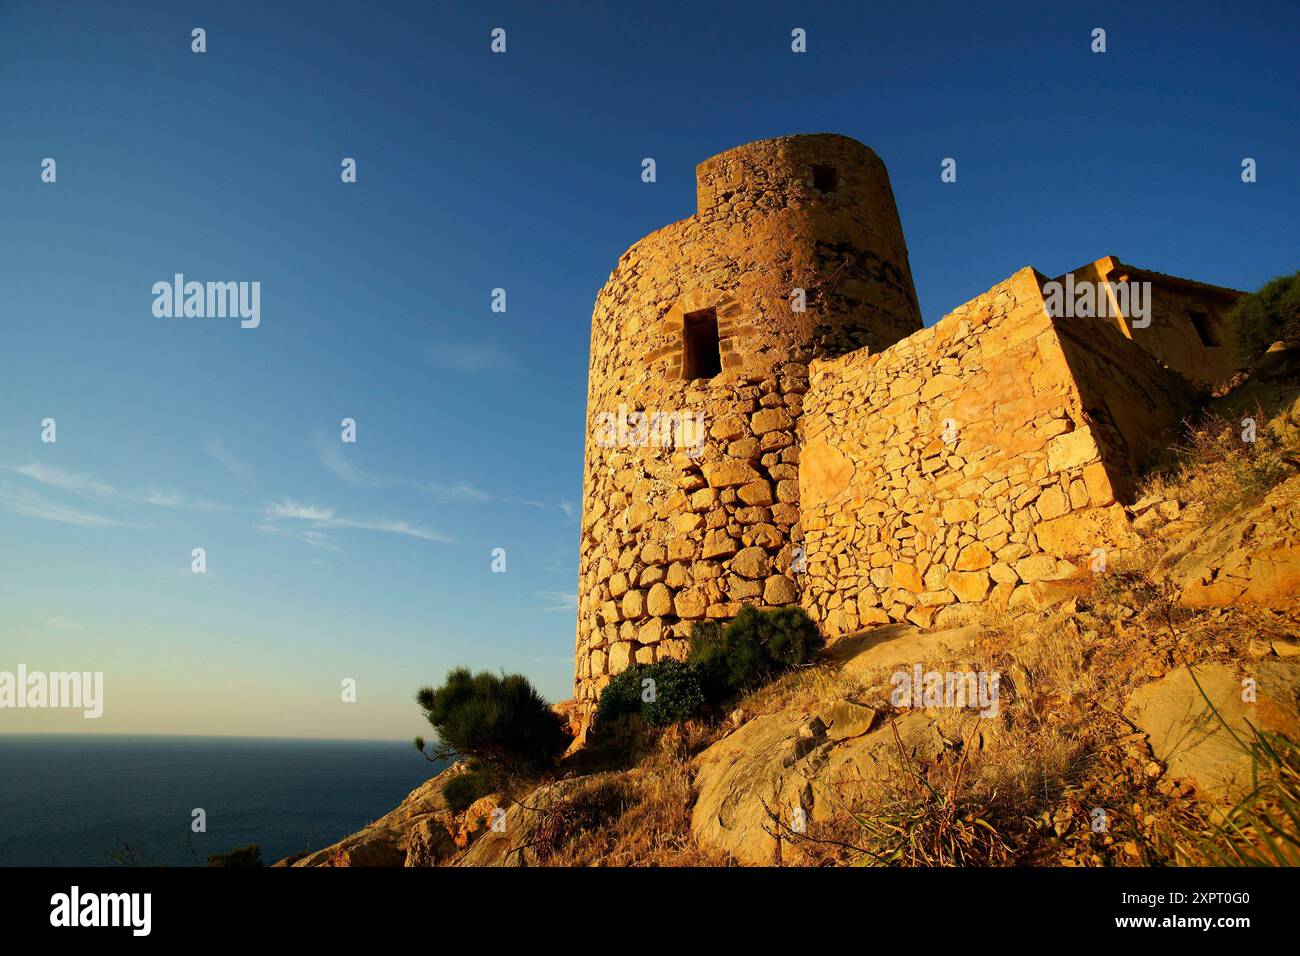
(779, 771)
(752, 780)
(1203, 733)
(421, 831)
(1243, 558)
(892, 644)
(510, 841)
(754, 784)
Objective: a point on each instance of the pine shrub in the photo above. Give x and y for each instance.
(500, 719)
(673, 694)
(1272, 314)
(752, 649)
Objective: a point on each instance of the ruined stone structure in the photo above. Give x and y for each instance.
(768, 422)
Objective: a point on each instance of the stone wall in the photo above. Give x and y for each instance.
(675, 529)
(1202, 351)
(1132, 402)
(972, 460)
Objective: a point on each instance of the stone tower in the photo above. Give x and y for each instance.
(700, 344)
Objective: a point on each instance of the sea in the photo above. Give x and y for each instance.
(98, 800)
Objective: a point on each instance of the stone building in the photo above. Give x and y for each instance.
(769, 423)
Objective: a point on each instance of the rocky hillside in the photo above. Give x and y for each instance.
(1143, 713)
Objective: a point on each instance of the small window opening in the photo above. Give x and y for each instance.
(702, 358)
(825, 179)
(1201, 322)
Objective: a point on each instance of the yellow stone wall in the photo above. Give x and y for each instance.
(972, 460)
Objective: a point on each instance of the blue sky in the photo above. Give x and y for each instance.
(372, 561)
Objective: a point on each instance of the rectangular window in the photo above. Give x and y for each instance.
(824, 179)
(1201, 322)
(701, 358)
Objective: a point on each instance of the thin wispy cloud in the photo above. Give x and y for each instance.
(318, 539)
(30, 504)
(66, 480)
(557, 600)
(336, 461)
(469, 359)
(317, 517)
(90, 487)
(232, 463)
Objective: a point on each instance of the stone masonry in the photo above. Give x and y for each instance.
(768, 423)
(973, 459)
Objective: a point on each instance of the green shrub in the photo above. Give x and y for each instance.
(502, 720)
(250, 855)
(675, 695)
(464, 788)
(1267, 316)
(621, 697)
(726, 659)
(708, 653)
(791, 636)
(750, 650)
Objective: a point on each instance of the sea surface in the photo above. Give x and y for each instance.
(73, 800)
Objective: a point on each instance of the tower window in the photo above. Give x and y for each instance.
(700, 358)
(1201, 322)
(825, 179)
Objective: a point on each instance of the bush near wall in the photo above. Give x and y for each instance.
(674, 694)
(726, 659)
(752, 649)
(1270, 315)
(463, 789)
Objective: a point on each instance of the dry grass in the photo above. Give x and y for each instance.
(934, 816)
(1024, 788)
(1261, 829)
(804, 688)
(1216, 468)
(640, 817)
(979, 803)
(1054, 657)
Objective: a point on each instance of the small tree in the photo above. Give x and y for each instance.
(501, 719)
(250, 855)
(1272, 314)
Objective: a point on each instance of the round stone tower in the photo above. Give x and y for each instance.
(700, 343)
